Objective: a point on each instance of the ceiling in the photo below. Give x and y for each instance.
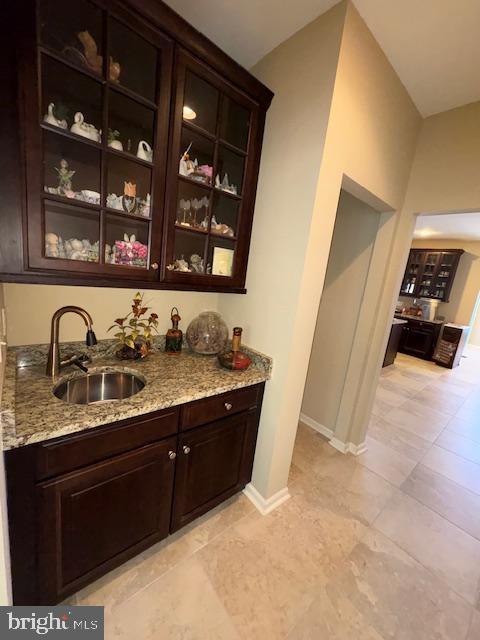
(457, 226)
(434, 45)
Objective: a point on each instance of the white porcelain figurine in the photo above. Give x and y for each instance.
(82, 128)
(144, 151)
(49, 118)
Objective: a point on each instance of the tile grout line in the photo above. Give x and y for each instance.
(187, 557)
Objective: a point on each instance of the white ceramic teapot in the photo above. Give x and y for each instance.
(49, 118)
(144, 151)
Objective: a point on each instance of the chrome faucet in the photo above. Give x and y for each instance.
(54, 364)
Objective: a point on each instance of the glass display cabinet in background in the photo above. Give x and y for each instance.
(212, 179)
(430, 273)
(98, 128)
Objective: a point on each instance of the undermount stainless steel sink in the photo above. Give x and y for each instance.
(98, 387)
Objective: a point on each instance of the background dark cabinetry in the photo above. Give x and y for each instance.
(83, 504)
(419, 338)
(129, 89)
(430, 273)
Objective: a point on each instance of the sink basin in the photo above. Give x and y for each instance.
(99, 387)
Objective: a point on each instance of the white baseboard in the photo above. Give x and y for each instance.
(316, 426)
(348, 447)
(266, 505)
(343, 447)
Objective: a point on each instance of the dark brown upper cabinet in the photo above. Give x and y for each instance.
(95, 142)
(138, 146)
(430, 273)
(212, 178)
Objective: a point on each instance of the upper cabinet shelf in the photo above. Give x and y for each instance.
(140, 157)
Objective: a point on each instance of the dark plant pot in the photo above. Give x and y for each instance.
(127, 353)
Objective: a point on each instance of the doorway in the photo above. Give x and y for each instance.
(342, 307)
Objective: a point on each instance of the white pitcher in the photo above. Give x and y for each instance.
(144, 151)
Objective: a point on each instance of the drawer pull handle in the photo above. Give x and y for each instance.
(186, 449)
(172, 455)
(228, 406)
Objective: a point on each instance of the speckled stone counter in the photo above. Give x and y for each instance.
(31, 413)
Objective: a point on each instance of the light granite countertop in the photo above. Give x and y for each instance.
(30, 412)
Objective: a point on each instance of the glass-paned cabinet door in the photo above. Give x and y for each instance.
(210, 205)
(413, 273)
(99, 142)
(446, 268)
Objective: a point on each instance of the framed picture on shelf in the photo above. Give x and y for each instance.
(222, 262)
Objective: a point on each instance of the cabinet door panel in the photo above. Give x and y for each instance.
(217, 133)
(213, 462)
(94, 519)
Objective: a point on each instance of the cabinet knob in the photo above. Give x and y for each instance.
(228, 406)
(186, 449)
(154, 265)
(172, 455)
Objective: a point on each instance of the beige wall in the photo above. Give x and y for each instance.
(466, 286)
(354, 236)
(30, 309)
(445, 172)
(370, 145)
(371, 135)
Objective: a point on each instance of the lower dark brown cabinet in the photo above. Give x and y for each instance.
(213, 463)
(88, 518)
(82, 504)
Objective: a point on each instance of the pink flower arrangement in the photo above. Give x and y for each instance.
(131, 252)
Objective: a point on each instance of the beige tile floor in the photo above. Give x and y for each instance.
(383, 546)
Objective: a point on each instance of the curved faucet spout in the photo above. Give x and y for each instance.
(53, 360)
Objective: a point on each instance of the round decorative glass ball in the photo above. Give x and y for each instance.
(207, 333)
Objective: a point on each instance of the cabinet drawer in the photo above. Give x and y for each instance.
(75, 451)
(216, 407)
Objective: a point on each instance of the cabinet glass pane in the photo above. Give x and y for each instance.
(71, 169)
(430, 263)
(230, 167)
(130, 126)
(200, 103)
(74, 32)
(71, 233)
(221, 253)
(126, 242)
(196, 157)
(235, 123)
(224, 220)
(133, 61)
(188, 253)
(192, 206)
(71, 101)
(128, 186)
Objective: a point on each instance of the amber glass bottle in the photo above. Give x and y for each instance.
(235, 359)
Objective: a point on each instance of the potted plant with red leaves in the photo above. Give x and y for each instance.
(134, 331)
